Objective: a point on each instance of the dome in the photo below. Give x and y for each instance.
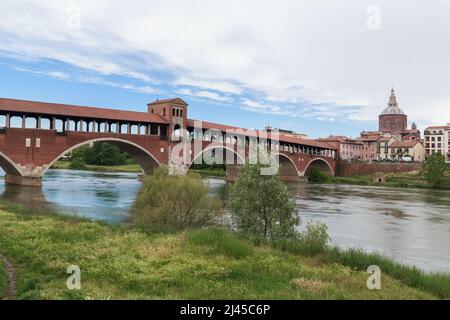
(392, 107)
(392, 110)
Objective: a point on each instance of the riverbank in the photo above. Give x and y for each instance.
(395, 180)
(128, 262)
(3, 280)
(133, 168)
(66, 165)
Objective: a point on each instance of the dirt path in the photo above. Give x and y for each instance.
(11, 272)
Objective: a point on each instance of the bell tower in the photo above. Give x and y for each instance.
(174, 111)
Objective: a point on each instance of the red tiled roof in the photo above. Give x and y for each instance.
(56, 109)
(174, 100)
(384, 138)
(404, 144)
(283, 138)
(438, 127)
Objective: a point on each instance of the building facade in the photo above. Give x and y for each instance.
(402, 150)
(437, 140)
(347, 148)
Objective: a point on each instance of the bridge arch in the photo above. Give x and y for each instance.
(321, 164)
(212, 147)
(9, 166)
(144, 158)
(288, 169)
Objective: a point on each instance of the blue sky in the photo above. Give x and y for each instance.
(18, 81)
(316, 67)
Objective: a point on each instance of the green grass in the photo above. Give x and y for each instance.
(126, 262)
(132, 168)
(436, 283)
(221, 242)
(3, 280)
(396, 180)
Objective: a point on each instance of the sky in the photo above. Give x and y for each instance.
(318, 67)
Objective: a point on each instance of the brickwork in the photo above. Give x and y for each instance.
(346, 169)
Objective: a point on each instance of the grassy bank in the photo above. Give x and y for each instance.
(126, 262)
(396, 180)
(204, 171)
(132, 168)
(3, 280)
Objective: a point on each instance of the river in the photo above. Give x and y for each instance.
(409, 225)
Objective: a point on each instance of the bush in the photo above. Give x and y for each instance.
(316, 175)
(261, 206)
(435, 170)
(77, 165)
(221, 241)
(314, 240)
(101, 154)
(175, 202)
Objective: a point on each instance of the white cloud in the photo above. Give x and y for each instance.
(287, 52)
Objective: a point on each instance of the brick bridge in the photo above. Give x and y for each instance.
(34, 135)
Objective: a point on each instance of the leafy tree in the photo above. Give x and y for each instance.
(262, 207)
(317, 175)
(100, 153)
(175, 202)
(435, 170)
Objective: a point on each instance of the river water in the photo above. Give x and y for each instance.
(410, 225)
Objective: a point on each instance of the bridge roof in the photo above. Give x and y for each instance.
(283, 137)
(71, 111)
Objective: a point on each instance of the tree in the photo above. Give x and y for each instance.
(435, 170)
(175, 202)
(100, 153)
(262, 207)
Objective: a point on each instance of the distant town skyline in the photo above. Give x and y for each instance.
(318, 68)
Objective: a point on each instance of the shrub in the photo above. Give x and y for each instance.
(100, 153)
(221, 241)
(314, 240)
(77, 165)
(175, 202)
(435, 170)
(261, 206)
(316, 175)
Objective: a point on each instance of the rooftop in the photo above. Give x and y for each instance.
(72, 111)
(249, 132)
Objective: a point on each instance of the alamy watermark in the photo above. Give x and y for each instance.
(229, 147)
(74, 280)
(374, 280)
(374, 17)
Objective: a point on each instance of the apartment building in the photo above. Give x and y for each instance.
(437, 140)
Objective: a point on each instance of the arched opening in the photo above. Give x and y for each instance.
(218, 161)
(8, 166)
(45, 124)
(177, 132)
(288, 170)
(142, 157)
(319, 164)
(134, 129)
(31, 123)
(16, 122)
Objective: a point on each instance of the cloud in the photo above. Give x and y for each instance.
(315, 58)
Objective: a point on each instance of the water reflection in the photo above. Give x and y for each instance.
(410, 225)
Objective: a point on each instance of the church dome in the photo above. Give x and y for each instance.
(392, 107)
